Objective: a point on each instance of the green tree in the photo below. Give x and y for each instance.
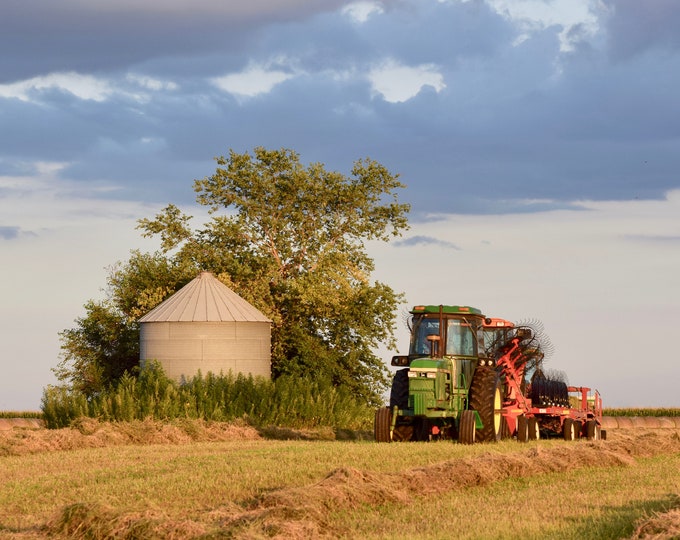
(290, 239)
(105, 342)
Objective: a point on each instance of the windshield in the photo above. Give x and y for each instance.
(460, 339)
(423, 327)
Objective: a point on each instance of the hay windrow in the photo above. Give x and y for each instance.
(660, 526)
(90, 433)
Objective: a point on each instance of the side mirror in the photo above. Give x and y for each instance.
(400, 361)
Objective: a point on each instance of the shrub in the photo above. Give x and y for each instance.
(298, 402)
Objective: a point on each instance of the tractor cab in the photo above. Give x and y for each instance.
(439, 331)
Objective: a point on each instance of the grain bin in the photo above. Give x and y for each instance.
(208, 327)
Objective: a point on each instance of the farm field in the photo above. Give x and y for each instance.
(193, 480)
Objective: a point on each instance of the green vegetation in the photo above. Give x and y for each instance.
(295, 402)
(21, 414)
(289, 239)
(658, 412)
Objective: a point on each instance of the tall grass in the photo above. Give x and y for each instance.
(20, 414)
(289, 401)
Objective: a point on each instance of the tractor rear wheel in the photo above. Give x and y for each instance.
(569, 430)
(486, 398)
(382, 425)
(466, 429)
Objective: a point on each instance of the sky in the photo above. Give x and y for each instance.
(539, 142)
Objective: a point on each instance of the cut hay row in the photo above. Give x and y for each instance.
(641, 422)
(31, 423)
(608, 422)
(305, 511)
(661, 526)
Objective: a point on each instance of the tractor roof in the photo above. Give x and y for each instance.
(463, 310)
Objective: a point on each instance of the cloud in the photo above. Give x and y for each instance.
(81, 86)
(398, 83)
(635, 28)
(362, 11)
(253, 81)
(9, 233)
(82, 36)
(422, 240)
(577, 20)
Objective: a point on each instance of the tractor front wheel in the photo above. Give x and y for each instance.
(399, 391)
(382, 425)
(466, 429)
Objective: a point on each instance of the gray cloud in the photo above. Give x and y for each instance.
(515, 122)
(635, 27)
(13, 233)
(420, 240)
(78, 35)
(9, 233)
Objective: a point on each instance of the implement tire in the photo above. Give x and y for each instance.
(534, 429)
(522, 429)
(382, 424)
(487, 399)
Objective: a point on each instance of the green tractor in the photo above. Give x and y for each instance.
(448, 388)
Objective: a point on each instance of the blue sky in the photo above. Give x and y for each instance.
(539, 142)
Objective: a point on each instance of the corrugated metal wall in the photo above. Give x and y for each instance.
(184, 348)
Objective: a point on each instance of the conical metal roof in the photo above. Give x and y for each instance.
(204, 299)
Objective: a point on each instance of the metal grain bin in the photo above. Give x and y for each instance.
(208, 327)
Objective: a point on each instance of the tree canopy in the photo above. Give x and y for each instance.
(288, 238)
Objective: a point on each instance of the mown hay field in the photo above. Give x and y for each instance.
(200, 480)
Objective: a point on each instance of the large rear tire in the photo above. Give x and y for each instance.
(382, 425)
(466, 429)
(486, 398)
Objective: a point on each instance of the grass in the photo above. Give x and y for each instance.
(21, 414)
(256, 488)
